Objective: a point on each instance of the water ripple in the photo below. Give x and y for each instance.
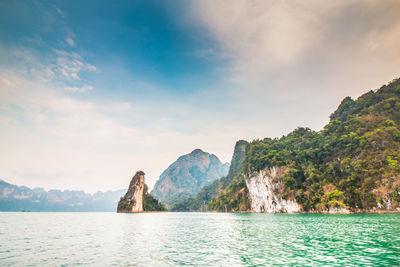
(198, 239)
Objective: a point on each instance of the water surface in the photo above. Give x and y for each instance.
(217, 239)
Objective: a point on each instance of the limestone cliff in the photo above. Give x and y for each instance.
(137, 198)
(352, 165)
(265, 188)
(133, 199)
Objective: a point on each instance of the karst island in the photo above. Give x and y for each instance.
(137, 198)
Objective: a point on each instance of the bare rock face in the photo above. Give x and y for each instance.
(264, 191)
(133, 199)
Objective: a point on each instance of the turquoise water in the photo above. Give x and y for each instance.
(202, 239)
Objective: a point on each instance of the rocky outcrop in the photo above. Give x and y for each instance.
(265, 190)
(133, 199)
(137, 198)
(187, 175)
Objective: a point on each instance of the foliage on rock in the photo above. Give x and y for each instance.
(150, 203)
(357, 153)
(138, 195)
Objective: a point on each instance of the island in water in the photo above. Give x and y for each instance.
(137, 198)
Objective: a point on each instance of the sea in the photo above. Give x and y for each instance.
(198, 239)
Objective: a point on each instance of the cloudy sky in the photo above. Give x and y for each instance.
(91, 91)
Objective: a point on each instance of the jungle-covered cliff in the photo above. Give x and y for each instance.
(352, 165)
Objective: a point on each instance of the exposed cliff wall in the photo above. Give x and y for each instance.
(265, 188)
(137, 198)
(133, 199)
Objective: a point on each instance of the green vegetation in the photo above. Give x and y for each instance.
(124, 205)
(227, 193)
(234, 198)
(150, 203)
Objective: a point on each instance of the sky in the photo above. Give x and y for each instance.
(92, 91)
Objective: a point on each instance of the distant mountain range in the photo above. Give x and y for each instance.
(18, 198)
(187, 175)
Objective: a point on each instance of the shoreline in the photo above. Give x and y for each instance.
(327, 212)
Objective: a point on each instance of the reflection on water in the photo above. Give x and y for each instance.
(155, 239)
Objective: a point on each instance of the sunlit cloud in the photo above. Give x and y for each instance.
(7, 82)
(268, 41)
(59, 11)
(70, 65)
(70, 41)
(84, 88)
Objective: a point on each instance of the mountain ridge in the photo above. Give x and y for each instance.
(187, 175)
(17, 198)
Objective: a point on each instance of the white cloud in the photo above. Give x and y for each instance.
(7, 82)
(70, 41)
(290, 63)
(59, 11)
(70, 65)
(270, 42)
(58, 141)
(261, 34)
(84, 88)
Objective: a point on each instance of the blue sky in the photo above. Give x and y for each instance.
(136, 42)
(92, 91)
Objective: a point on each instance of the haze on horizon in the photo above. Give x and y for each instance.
(91, 92)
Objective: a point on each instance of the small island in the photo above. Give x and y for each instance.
(137, 198)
